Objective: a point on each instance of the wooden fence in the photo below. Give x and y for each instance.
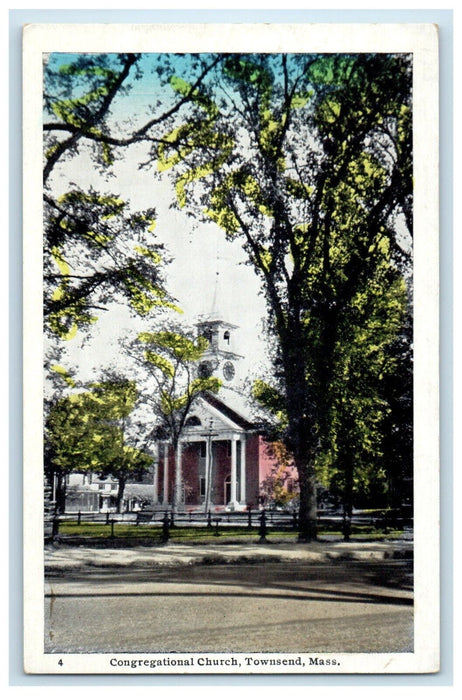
(265, 522)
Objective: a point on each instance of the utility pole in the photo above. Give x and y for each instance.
(209, 464)
(155, 475)
(176, 501)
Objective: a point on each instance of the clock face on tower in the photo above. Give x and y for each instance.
(228, 371)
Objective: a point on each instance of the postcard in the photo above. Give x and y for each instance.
(231, 450)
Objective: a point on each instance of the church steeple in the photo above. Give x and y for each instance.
(220, 359)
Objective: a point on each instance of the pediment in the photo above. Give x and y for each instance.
(204, 418)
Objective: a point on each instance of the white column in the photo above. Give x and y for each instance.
(233, 471)
(208, 473)
(155, 476)
(165, 462)
(243, 475)
(178, 475)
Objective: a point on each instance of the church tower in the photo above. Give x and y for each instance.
(220, 359)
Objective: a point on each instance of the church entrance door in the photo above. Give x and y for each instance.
(227, 489)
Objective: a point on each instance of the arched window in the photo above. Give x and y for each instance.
(226, 336)
(192, 421)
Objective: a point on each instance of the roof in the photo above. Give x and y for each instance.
(228, 406)
(214, 319)
(136, 489)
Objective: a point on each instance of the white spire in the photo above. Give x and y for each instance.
(214, 311)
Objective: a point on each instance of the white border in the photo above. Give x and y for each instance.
(421, 40)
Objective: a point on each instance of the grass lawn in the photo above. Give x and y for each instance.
(184, 533)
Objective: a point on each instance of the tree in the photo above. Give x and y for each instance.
(170, 359)
(278, 488)
(97, 252)
(398, 444)
(130, 459)
(308, 160)
(95, 248)
(355, 405)
(86, 432)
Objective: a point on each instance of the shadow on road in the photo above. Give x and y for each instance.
(361, 582)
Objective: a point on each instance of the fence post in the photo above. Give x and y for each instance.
(209, 519)
(294, 520)
(107, 518)
(262, 530)
(249, 517)
(112, 528)
(165, 528)
(216, 533)
(79, 516)
(55, 527)
(172, 518)
(346, 527)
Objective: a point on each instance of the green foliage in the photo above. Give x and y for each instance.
(64, 374)
(85, 431)
(182, 141)
(171, 358)
(78, 97)
(307, 159)
(96, 249)
(271, 122)
(223, 214)
(177, 344)
(270, 398)
(354, 402)
(317, 168)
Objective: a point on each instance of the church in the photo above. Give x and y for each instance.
(222, 461)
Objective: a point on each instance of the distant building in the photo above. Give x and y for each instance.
(87, 492)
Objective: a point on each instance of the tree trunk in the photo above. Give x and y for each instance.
(301, 422)
(60, 496)
(302, 439)
(348, 500)
(308, 503)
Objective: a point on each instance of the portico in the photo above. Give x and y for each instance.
(210, 468)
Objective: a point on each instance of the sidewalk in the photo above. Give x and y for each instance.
(60, 558)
